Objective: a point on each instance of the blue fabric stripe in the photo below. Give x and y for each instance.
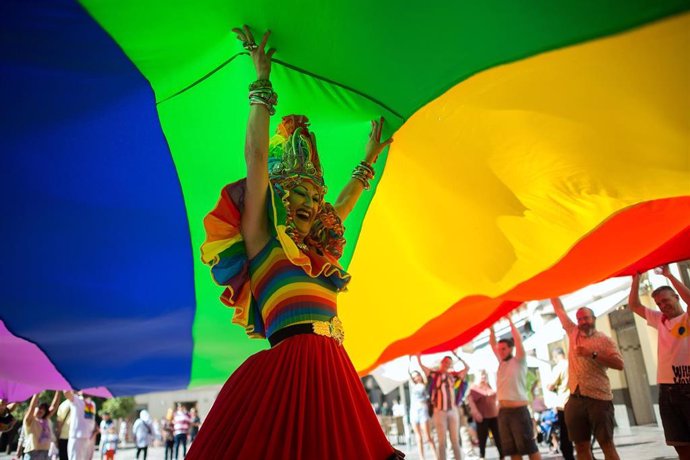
(96, 255)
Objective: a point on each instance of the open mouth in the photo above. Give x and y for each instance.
(303, 214)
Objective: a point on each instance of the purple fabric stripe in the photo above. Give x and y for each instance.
(21, 361)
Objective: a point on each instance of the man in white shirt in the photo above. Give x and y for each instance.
(673, 371)
(514, 420)
(82, 426)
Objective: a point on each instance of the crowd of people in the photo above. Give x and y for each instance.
(451, 416)
(70, 430)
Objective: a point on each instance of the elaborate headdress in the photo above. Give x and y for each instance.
(293, 154)
(292, 158)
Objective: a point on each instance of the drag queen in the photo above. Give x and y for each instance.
(274, 243)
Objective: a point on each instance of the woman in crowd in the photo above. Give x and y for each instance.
(167, 434)
(484, 408)
(38, 431)
(143, 432)
(420, 419)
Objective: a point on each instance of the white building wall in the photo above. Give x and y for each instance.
(158, 403)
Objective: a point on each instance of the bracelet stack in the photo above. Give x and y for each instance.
(261, 93)
(363, 172)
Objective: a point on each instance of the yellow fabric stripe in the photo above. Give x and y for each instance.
(494, 181)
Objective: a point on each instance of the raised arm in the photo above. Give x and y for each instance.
(634, 297)
(363, 173)
(54, 404)
(254, 219)
(466, 367)
(566, 322)
(422, 374)
(425, 369)
(517, 339)
(29, 417)
(683, 290)
(493, 342)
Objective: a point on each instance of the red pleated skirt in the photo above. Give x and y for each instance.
(299, 400)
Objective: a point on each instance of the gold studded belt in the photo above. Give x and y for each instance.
(332, 328)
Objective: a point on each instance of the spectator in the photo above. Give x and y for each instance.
(38, 431)
(397, 409)
(168, 434)
(63, 428)
(143, 432)
(104, 426)
(419, 413)
(514, 420)
(82, 426)
(157, 435)
(589, 410)
(484, 409)
(181, 423)
(468, 436)
(386, 410)
(559, 385)
(110, 441)
(123, 432)
(7, 420)
(673, 370)
(442, 385)
(196, 424)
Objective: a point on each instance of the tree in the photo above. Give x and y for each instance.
(119, 407)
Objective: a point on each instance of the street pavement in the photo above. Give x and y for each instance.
(644, 443)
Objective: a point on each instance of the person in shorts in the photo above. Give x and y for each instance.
(673, 370)
(514, 420)
(589, 410)
(420, 419)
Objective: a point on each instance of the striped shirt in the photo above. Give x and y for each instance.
(181, 422)
(285, 293)
(443, 389)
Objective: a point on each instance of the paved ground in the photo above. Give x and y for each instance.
(645, 443)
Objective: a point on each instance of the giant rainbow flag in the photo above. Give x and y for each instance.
(539, 147)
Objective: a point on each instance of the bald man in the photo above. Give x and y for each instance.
(589, 410)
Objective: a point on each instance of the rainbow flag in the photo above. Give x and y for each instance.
(538, 149)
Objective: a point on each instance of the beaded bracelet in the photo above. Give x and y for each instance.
(363, 172)
(261, 93)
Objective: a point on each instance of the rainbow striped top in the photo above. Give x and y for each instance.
(285, 294)
(282, 285)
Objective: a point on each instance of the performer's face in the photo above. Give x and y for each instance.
(305, 200)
